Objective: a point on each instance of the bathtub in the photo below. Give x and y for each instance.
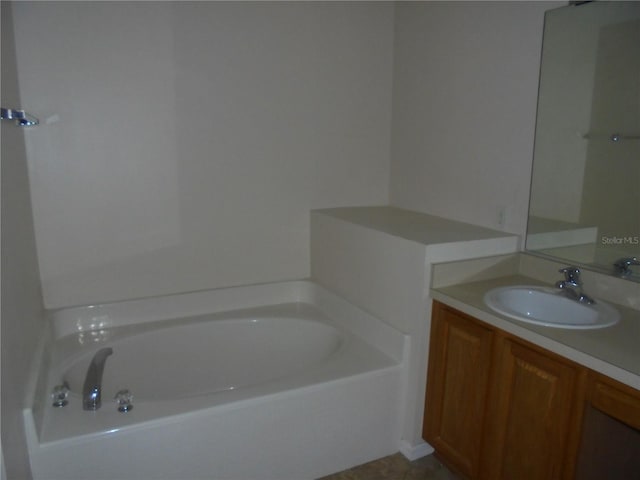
(275, 381)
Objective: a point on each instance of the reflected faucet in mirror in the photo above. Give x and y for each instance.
(622, 266)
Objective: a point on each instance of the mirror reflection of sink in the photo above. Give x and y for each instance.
(549, 307)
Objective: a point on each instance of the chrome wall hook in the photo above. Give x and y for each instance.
(22, 118)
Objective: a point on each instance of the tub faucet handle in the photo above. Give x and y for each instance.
(123, 399)
(59, 395)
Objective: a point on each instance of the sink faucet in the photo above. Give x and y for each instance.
(622, 265)
(571, 286)
(92, 388)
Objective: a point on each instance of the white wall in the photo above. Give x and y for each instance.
(22, 312)
(464, 107)
(183, 144)
(186, 154)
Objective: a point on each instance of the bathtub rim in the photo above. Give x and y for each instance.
(86, 318)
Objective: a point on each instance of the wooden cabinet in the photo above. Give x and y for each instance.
(459, 365)
(533, 414)
(498, 407)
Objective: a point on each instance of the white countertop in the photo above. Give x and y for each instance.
(613, 351)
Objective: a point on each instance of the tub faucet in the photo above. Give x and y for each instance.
(571, 286)
(92, 388)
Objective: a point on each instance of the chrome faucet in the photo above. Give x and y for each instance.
(571, 286)
(622, 265)
(92, 388)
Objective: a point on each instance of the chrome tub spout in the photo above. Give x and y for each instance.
(92, 388)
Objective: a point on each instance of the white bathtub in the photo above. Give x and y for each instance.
(278, 381)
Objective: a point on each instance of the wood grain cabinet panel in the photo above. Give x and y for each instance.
(534, 408)
(615, 399)
(458, 381)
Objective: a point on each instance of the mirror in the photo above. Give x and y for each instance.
(585, 188)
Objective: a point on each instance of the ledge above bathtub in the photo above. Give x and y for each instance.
(428, 230)
(379, 258)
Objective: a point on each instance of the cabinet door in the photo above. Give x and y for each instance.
(610, 446)
(615, 399)
(457, 384)
(534, 410)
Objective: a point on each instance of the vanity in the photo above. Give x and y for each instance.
(510, 399)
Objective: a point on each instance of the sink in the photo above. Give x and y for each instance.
(549, 307)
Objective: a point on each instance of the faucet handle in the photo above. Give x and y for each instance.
(571, 275)
(622, 266)
(59, 395)
(124, 399)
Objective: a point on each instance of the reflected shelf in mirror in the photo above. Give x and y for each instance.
(612, 137)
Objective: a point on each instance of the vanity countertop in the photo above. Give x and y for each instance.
(613, 351)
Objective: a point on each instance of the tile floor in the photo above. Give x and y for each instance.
(396, 467)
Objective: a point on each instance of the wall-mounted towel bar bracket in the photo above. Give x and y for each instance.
(22, 118)
(614, 137)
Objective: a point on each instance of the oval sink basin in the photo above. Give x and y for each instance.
(549, 307)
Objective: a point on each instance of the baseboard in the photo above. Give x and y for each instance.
(413, 452)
